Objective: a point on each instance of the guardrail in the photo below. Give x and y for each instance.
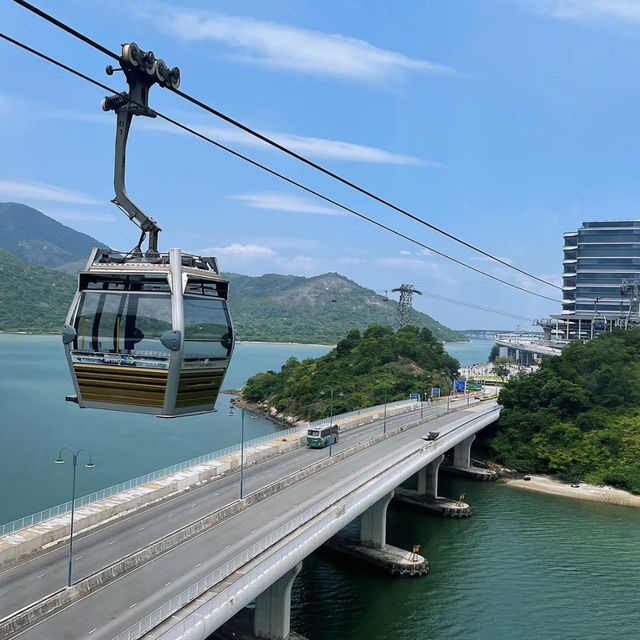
(65, 507)
(188, 595)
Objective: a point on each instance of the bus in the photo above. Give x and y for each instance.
(320, 437)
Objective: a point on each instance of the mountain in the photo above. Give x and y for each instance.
(269, 308)
(40, 240)
(32, 299)
(320, 309)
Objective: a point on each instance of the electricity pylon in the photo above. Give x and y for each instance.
(405, 305)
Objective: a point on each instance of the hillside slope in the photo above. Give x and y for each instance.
(578, 416)
(320, 309)
(361, 370)
(32, 299)
(40, 240)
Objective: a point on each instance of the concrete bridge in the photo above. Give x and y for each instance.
(527, 349)
(185, 564)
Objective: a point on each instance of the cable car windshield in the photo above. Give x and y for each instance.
(207, 328)
(122, 322)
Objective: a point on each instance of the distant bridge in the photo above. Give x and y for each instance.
(484, 334)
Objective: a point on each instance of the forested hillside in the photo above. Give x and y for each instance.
(578, 416)
(358, 370)
(32, 298)
(320, 309)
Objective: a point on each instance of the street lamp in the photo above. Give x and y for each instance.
(88, 465)
(241, 452)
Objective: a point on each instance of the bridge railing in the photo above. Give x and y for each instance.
(217, 575)
(65, 507)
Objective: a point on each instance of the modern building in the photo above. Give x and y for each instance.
(601, 278)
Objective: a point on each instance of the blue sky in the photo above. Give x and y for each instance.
(506, 122)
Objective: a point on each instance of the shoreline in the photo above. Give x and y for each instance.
(589, 492)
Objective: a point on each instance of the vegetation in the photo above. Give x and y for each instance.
(32, 299)
(578, 416)
(501, 367)
(494, 353)
(320, 309)
(359, 369)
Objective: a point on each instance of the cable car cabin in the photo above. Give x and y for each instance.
(599, 324)
(149, 335)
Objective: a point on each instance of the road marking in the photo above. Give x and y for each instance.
(42, 575)
(199, 564)
(170, 515)
(141, 529)
(168, 583)
(227, 546)
(217, 493)
(113, 542)
(252, 531)
(194, 504)
(92, 630)
(79, 557)
(132, 605)
(275, 517)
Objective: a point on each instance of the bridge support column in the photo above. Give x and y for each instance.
(273, 608)
(462, 452)
(373, 527)
(426, 495)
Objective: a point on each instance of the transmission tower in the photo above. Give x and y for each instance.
(405, 305)
(632, 289)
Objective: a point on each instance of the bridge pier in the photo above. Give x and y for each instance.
(462, 462)
(273, 608)
(426, 495)
(372, 548)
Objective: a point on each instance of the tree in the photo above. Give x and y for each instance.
(501, 367)
(494, 353)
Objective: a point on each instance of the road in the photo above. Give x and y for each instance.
(106, 612)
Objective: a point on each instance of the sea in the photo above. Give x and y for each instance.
(526, 566)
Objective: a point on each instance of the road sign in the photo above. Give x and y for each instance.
(435, 392)
(460, 386)
(414, 396)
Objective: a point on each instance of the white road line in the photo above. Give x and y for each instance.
(170, 515)
(166, 584)
(92, 630)
(252, 531)
(141, 529)
(194, 504)
(199, 564)
(132, 605)
(79, 557)
(227, 546)
(113, 542)
(42, 575)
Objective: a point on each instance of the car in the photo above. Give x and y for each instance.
(432, 435)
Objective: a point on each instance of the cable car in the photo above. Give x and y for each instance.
(147, 332)
(599, 323)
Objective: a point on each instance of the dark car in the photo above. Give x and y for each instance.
(432, 435)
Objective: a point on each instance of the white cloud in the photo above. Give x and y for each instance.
(319, 148)
(240, 251)
(282, 242)
(405, 253)
(280, 201)
(287, 47)
(30, 190)
(298, 263)
(627, 11)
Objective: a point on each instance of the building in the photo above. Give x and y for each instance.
(601, 278)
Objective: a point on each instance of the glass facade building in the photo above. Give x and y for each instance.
(597, 258)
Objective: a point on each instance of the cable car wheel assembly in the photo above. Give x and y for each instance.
(147, 332)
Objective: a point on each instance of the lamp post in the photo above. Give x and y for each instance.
(88, 465)
(384, 424)
(241, 452)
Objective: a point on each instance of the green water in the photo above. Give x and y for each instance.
(525, 566)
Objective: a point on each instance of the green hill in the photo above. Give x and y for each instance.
(578, 416)
(40, 240)
(320, 309)
(32, 298)
(358, 370)
(268, 308)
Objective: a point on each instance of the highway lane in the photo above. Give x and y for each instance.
(46, 573)
(106, 612)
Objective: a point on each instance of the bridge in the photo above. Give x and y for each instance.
(527, 349)
(484, 334)
(185, 554)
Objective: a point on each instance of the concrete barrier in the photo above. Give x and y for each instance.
(34, 613)
(22, 544)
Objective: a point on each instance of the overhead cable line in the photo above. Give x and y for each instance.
(232, 121)
(272, 172)
(477, 306)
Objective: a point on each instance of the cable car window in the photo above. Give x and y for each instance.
(125, 282)
(207, 328)
(202, 288)
(126, 323)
